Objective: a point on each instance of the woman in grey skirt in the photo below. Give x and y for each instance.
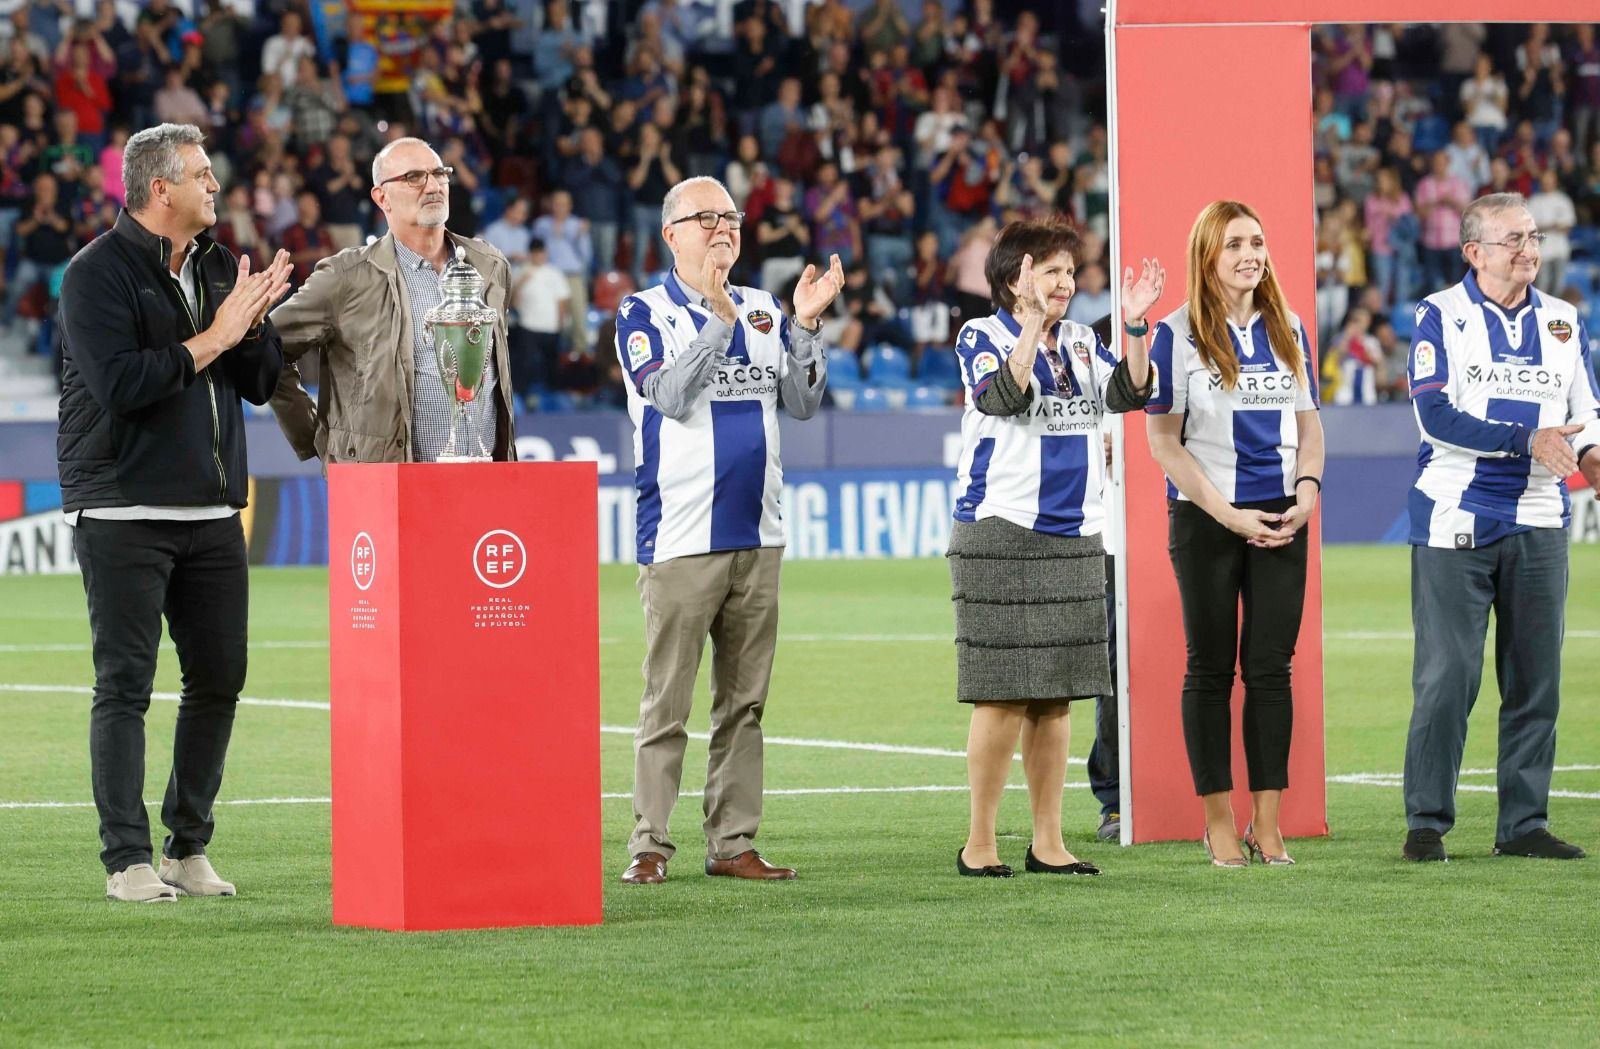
(1026, 562)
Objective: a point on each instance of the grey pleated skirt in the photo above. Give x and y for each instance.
(1030, 613)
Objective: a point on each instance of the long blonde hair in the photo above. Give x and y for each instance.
(1208, 310)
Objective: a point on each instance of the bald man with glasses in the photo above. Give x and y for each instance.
(380, 398)
(709, 365)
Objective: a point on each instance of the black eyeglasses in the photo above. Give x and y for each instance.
(1517, 242)
(709, 219)
(418, 179)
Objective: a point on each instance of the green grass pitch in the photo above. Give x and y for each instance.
(878, 943)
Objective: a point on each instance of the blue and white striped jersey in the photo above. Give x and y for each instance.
(1246, 439)
(1043, 469)
(1483, 379)
(711, 481)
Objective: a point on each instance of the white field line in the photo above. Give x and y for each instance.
(1371, 779)
(789, 639)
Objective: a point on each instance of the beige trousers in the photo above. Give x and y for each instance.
(731, 597)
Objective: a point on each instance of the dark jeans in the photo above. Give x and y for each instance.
(1105, 773)
(195, 574)
(535, 358)
(1215, 570)
(1523, 577)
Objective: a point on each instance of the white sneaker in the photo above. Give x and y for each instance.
(139, 884)
(194, 877)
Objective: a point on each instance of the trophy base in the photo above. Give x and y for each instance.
(463, 459)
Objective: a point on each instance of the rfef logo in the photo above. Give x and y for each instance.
(363, 561)
(499, 559)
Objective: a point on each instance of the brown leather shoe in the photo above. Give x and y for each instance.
(647, 868)
(748, 865)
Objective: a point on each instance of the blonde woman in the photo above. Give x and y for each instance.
(1233, 423)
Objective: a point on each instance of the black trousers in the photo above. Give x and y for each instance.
(1105, 771)
(194, 573)
(1216, 571)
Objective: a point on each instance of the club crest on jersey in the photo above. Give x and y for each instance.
(638, 350)
(1560, 329)
(760, 320)
(1082, 350)
(1423, 362)
(983, 364)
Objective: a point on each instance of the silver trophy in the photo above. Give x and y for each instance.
(461, 329)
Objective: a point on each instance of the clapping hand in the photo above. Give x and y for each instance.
(276, 278)
(1549, 448)
(1030, 304)
(714, 280)
(815, 293)
(1138, 296)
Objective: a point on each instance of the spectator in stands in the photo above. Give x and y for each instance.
(596, 185)
(464, 185)
(238, 229)
(541, 297)
(741, 170)
(930, 309)
(1092, 299)
(512, 234)
(966, 274)
(82, 66)
(307, 241)
(281, 54)
(178, 103)
(831, 208)
(44, 241)
(95, 210)
(1356, 167)
(1469, 162)
(566, 239)
(1584, 96)
(1555, 215)
(885, 211)
(755, 64)
(352, 313)
(1389, 212)
(1441, 198)
(1541, 81)
(784, 237)
(781, 118)
(1360, 364)
(224, 32)
(654, 172)
(1485, 103)
(315, 103)
(341, 191)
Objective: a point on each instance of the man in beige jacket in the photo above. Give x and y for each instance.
(380, 398)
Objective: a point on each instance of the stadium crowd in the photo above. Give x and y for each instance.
(899, 134)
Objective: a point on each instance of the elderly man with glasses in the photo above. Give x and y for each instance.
(380, 397)
(708, 366)
(1506, 398)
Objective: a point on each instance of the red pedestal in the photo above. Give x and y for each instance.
(464, 651)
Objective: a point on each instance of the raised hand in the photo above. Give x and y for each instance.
(815, 293)
(239, 310)
(1030, 303)
(277, 280)
(714, 280)
(1139, 295)
(1550, 449)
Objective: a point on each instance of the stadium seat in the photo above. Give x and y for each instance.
(610, 288)
(1403, 316)
(1432, 134)
(888, 365)
(872, 399)
(938, 367)
(927, 397)
(844, 369)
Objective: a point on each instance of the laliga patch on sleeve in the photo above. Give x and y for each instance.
(983, 364)
(1423, 363)
(638, 350)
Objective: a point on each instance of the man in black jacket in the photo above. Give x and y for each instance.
(164, 332)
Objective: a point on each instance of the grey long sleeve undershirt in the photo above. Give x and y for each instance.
(672, 390)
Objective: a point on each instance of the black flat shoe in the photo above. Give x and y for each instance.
(998, 870)
(1038, 866)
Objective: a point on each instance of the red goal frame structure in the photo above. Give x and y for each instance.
(1211, 100)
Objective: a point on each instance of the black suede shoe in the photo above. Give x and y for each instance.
(1540, 844)
(1424, 846)
(998, 870)
(1038, 866)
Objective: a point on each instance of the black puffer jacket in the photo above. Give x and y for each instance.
(138, 425)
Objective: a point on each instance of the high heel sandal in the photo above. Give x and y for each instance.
(1240, 861)
(995, 870)
(1254, 847)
